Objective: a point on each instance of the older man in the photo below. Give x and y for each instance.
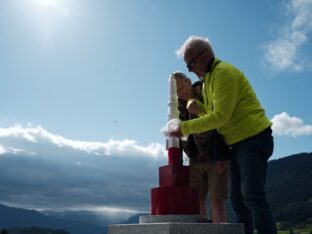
(233, 108)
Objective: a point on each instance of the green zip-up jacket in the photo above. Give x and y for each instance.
(233, 107)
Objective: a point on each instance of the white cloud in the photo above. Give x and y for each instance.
(11, 150)
(32, 135)
(104, 177)
(2, 150)
(283, 124)
(284, 52)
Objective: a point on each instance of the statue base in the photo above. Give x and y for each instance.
(176, 228)
(175, 224)
(169, 218)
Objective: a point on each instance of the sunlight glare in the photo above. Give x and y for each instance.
(48, 3)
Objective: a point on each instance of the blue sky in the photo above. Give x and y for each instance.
(92, 76)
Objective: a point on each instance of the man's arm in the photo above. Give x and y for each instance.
(224, 100)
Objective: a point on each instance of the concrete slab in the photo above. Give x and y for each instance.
(169, 218)
(176, 228)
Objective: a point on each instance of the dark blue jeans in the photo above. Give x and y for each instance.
(248, 175)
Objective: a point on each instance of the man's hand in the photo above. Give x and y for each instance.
(176, 134)
(192, 107)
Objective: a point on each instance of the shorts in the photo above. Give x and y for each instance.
(205, 178)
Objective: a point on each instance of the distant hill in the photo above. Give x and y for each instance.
(32, 230)
(289, 188)
(83, 216)
(135, 218)
(16, 217)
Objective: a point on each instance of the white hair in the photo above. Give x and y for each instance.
(196, 43)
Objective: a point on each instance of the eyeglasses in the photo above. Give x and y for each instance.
(190, 65)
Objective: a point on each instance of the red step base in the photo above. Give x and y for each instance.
(174, 200)
(174, 175)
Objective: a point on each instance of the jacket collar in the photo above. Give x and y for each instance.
(211, 66)
(214, 63)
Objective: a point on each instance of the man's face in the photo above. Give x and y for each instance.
(196, 62)
(184, 88)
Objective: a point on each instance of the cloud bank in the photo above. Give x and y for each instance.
(45, 171)
(284, 53)
(285, 125)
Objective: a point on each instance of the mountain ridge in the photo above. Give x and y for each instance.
(18, 217)
(289, 189)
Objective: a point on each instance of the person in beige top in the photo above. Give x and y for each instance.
(206, 173)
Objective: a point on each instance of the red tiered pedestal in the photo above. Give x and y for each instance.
(174, 196)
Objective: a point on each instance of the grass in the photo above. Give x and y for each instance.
(296, 230)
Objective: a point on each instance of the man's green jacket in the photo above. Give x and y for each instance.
(231, 106)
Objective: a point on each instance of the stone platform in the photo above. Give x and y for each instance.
(175, 224)
(176, 228)
(169, 218)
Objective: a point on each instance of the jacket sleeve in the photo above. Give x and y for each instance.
(224, 99)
